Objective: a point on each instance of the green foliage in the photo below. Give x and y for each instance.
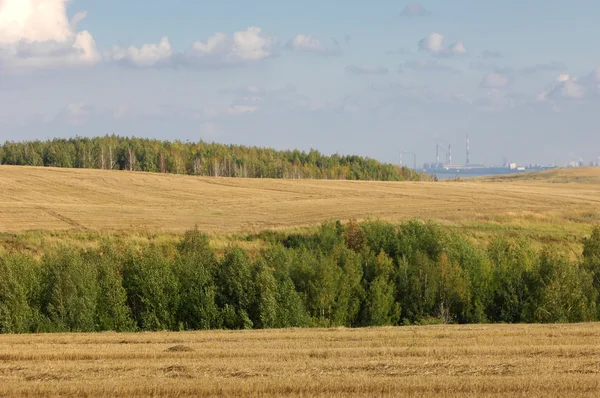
(454, 295)
(291, 311)
(512, 266)
(195, 270)
(350, 293)
(358, 274)
(316, 277)
(381, 308)
(206, 159)
(418, 283)
(112, 310)
(235, 289)
(381, 236)
(152, 290)
(264, 308)
(18, 291)
(591, 262)
(562, 292)
(70, 292)
(591, 256)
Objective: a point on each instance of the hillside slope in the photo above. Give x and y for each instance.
(58, 199)
(584, 175)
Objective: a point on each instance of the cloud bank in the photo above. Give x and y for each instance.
(218, 50)
(434, 44)
(566, 87)
(37, 33)
(309, 44)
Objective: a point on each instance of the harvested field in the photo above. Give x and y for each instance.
(483, 361)
(34, 199)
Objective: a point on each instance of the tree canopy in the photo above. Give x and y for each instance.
(113, 152)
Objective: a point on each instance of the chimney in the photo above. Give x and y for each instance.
(468, 149)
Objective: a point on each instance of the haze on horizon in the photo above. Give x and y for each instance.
(521, 78)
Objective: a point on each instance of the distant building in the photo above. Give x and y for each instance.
(575, 163)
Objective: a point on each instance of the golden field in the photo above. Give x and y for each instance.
(482, 361)
(49, 199)
(44, 207)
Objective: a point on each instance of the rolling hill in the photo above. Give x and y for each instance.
(34, 198)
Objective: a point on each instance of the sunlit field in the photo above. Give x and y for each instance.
(34, 199)
(483, 361)
(43, 208)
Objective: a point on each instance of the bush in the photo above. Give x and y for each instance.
(152, 290)
(368, 274)
(112, 310)
(70, 292)
(19, 291)
(195, 271)
(235, 289)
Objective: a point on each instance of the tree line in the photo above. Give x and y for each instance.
(353, 275)
(113, 152)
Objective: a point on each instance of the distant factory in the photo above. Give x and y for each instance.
(581, 163)
(468, 168)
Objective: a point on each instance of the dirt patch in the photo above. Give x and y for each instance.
(180, 348)
(47, 377)
(177, 372)
(241, 374)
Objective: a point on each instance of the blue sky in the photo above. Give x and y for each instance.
(371, 78)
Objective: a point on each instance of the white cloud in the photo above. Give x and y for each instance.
(310, 44)
(33, 20)
(77, 18)
(414, 10)
(434, 44)
(218, 50)
(495, 80)
(457, 48)
(250, 45)
(306, 43)
(572, 89)
(566, 87)
(147, 55)
(367, 70)
(38, 34)
(214, 44)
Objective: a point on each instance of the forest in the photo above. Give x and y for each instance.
(113, 152)
(354, 274)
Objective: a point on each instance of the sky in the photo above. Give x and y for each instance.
(520, 77)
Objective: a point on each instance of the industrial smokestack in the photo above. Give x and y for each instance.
(449, 153)
(437, 154)
(468, 149)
